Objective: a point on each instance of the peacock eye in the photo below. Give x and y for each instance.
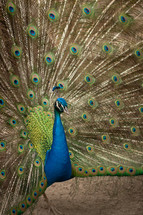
(59, 105)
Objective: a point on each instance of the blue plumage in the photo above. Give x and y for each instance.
(92, 53)
(57, 163)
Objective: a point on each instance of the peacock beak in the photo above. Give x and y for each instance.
(66, 110)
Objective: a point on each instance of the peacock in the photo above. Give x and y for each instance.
(71, 94)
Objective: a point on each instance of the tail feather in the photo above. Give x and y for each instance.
(93, 52)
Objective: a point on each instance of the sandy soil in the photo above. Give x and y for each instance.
(93, 196)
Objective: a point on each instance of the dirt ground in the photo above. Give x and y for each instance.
(93, 196)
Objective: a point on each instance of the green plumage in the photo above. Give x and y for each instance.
(93, 51)
(40, 128)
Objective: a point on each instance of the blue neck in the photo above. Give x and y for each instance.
(57, 162)
(59, 138)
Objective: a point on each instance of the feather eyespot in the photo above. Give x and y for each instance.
(20, 170)
(89, 79)
(62, 85)
(141, 109)
(112, 170)
(16, 52)
(30, 145)
(72, 131)
(116, 79)
(35, 194)
(105, 138)
(11, 8)
(87, 11)
(2, 102)
(30, 94)
(15, 80)
(121, 169)
(45, 102)
(43, 185)
(44, 178)
(80, 170)
(75, 49)
(21, 148)
(29, 200)
(2, 146)
(85, 117)
(92, 103)
(125, 20)
(32, 31)
(135, 131)
(49, 58)
(35, 78)
(37, 163)
(71, 154)
(127, 146)
(89, 149)
(22, 206)
(101, 169)
(113, 122)
(13, 211)
(21, 108)
(108, 49)
(119, 104)
(139, 53)
(131, 170)
(2, 174)
(93, 171)
(39, 107)
(86, 172)
(53, 15)
(24, 134)
(13, 122)
(49, 114)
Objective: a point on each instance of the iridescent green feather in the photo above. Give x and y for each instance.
(40, 128)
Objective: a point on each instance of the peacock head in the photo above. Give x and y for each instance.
(61, 105)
